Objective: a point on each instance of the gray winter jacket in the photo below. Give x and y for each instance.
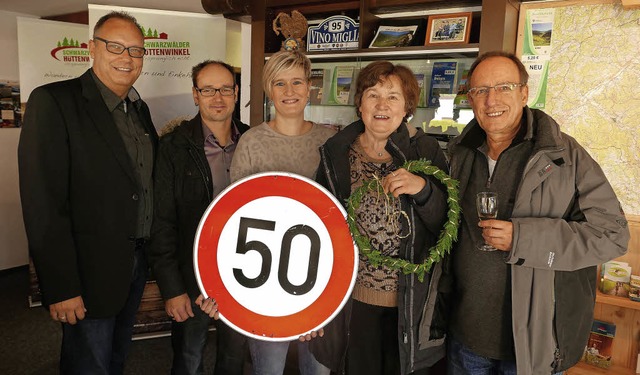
(566, 220)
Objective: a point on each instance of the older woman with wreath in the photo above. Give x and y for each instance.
(394, 323)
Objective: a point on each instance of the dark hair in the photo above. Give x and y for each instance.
(120, 15)
(524, 75)
(197, 68)
(379, 71)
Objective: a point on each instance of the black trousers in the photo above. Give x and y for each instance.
(373, 341)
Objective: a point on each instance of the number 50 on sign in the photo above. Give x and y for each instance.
(274, 250)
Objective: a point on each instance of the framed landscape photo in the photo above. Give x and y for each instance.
(399, 33)
(453, 28)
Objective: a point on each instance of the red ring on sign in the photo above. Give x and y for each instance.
(342, 276)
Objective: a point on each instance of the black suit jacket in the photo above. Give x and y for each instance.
(79, 194)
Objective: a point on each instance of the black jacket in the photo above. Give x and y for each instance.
(183, 191)
(79, 193)
(422, 307)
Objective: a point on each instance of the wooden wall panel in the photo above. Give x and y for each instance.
(627, 318)
(625, 344)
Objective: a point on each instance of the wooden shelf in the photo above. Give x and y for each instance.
(402, 12)
(466, 50)
(584, 369)
(617, 301)
(330, 5)
(314, 8)
(386, 6)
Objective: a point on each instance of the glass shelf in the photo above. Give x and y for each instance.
(467, 50)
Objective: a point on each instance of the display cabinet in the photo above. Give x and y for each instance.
(493, 26)
(332, 102)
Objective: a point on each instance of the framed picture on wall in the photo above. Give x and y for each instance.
(448, 29)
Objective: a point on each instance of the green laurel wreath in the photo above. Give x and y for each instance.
(448, 234)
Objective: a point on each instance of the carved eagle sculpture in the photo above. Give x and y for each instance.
(293, 27)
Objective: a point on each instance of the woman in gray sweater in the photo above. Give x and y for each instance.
(287, 143)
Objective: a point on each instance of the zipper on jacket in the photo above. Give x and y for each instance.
(409, 298)
(557, 360)
(203, 173)
(404, 158)
(330, 179)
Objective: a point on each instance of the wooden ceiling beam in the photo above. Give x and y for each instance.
(631, 4)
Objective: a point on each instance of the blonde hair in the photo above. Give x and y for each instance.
(282, 61)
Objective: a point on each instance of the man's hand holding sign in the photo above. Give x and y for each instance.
(274, 257)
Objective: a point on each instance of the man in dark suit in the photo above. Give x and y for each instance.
(85, 158)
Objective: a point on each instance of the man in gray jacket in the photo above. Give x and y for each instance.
(526, 308)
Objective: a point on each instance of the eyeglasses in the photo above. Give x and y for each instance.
(503, 88)
(118, 49)
(210, 91)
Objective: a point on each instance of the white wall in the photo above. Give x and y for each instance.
(13, 241)
(9, 45)
(239, 55)
(246, 73)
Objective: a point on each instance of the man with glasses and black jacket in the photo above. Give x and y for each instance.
(192, 168)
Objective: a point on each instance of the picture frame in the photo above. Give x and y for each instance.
(399, 33)
(452, 28)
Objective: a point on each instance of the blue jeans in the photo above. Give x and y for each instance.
(100, 346)
(269, 358)
(188, 340)
(462, 361)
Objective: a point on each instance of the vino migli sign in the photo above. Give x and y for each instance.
(334, 33)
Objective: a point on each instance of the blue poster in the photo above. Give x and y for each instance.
(443, 80)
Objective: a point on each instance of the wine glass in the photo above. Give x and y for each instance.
(487, 205)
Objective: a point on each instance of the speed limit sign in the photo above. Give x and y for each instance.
(274, 250)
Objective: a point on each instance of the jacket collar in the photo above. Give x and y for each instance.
(538, 127)
(192, 129)
(548, 134)
(398, 144)
(110, 98)
(338, 146)
(541, 129)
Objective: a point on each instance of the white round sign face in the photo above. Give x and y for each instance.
(274, 250)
